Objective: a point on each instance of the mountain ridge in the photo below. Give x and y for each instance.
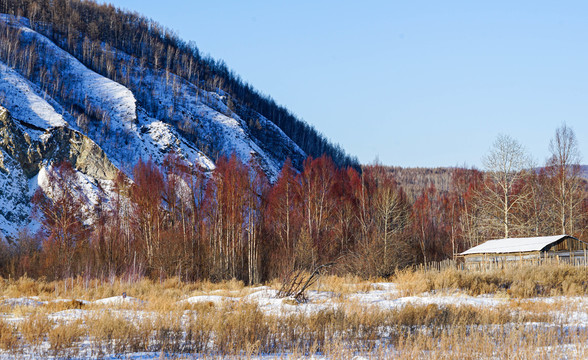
(75, 25)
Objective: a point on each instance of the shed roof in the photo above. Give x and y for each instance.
(515, 245)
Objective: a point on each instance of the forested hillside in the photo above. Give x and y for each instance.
(414, 180)
(91, 32)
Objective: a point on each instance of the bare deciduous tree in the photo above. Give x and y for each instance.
(564, 170)
(504, 186)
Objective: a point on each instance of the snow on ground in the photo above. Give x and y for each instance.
(22, 301)
(268, 301)
(386, 300)
(213, 299)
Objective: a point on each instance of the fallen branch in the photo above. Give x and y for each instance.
(295, 283)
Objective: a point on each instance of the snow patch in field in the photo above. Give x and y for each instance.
(23, 301)
(385, 286)
(214, 299)
(119, 300)
(260, 294)
(68, 315)
(84, 302)
(573, 315)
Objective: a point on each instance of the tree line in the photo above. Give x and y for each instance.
(174, 220)
(90, 31)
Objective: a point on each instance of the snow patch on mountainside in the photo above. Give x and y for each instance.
(160, 139)
(202, 113)
(26, 102)
(89, 90)
(87, 185)
(110, 103)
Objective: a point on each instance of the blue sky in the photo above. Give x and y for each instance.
(412, 83)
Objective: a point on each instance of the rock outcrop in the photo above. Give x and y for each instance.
(55, 145)
(22, 156)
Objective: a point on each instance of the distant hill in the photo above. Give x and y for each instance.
(584, 171)
(414, 180)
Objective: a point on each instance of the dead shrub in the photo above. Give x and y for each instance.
(169, 333)
(64, 338)
(240, 326)
(8, 337)
(35, 328)
(110, 333)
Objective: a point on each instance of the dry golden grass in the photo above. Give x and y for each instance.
(8, 336)
(60, 305)
(113, 333)
(521, 282)
(343, 285)
(84, 289)
(64, 338)
(169, 332)
(35, 328)
(502, 343)
(241, 329)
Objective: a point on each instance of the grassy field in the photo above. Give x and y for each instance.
(529, 312)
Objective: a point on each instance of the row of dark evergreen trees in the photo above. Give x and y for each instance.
(70, 23)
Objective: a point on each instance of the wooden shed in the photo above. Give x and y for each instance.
(531, 249)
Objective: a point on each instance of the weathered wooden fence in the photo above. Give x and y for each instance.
(497, 264)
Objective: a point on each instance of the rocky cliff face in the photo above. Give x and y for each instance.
(17, 144)
(63, 143)
(55, 145)
(23, 156)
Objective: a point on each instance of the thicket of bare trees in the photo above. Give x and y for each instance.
(174, 221)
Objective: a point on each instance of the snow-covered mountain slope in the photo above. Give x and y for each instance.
(55, 108)
(206, 116)
(93, 93)
(25, 101)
